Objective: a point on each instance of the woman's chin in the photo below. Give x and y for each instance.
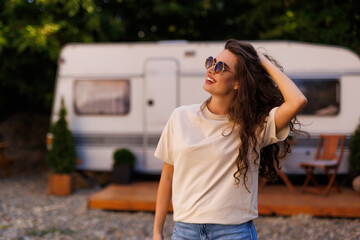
(207, 89)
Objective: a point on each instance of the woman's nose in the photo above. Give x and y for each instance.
(211, 69)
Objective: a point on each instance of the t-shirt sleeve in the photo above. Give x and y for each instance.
(269, 135)
(165, 145)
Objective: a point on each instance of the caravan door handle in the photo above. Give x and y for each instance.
(150, 102)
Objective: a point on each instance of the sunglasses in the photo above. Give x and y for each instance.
(219, 66)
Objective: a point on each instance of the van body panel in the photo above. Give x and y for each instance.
(122, 94)
(161, 78)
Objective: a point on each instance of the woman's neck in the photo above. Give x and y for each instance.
(219, 106)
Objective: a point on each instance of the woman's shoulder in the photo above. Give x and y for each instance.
(186, 112)
(193, 108)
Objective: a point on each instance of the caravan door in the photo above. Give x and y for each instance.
(161, 98)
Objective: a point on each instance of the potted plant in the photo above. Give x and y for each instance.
(354, 158)
(61, 156)
(124, 161)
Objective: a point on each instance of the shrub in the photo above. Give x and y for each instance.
(354, 158)
(62, 155)
(124, 156)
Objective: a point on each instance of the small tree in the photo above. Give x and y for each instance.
(354, 158)
(62, 155)
(123, 157)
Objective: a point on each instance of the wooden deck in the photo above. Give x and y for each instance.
(139, 196)
(273, 199)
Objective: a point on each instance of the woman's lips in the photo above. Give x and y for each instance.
(210, 80)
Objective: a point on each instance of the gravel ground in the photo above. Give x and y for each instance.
(27, 212)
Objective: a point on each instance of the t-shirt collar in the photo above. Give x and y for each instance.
(214, 116)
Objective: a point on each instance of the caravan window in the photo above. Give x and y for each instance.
(102, 97)
(323, 96)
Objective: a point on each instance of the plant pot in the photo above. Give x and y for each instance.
(349, 178)
(122, 173)
(59, 184)
(356, 184)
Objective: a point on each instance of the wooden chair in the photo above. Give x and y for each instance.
(328, 157)
(282, 175)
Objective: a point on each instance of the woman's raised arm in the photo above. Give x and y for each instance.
(295, 101)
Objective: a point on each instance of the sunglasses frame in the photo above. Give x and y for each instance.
(214, 63)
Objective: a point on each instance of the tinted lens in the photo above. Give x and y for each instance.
(219, 67)
(209, 62)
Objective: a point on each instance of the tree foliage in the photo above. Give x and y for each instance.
(32, 32)
(354, 147)
(62, 155)
(31, 36)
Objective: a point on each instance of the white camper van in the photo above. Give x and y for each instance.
(121, 95)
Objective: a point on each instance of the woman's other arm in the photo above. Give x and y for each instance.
(163, 200)
(295, 101)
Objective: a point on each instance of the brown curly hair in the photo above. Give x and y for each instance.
(256, 96)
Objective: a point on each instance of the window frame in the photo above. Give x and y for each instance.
(79, 113)
(322, 79)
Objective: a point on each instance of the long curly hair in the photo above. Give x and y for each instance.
(256, 96)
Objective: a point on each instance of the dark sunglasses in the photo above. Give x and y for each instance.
(219, 66)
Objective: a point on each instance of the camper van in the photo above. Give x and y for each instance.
(121, 95)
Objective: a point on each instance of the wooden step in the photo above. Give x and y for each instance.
(273, 199)
(140, 196)
(277, 199)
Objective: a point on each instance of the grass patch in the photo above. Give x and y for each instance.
(3, 227)
(42, 233)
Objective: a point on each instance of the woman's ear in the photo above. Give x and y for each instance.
(236, 86)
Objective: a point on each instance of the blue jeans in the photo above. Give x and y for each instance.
(193, 231)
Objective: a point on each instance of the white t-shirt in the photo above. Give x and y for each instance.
(203, 189)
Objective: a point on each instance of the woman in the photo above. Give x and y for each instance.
(214, 152)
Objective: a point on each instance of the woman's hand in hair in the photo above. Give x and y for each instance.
(295, 100)
(262, 57)
(266, 62)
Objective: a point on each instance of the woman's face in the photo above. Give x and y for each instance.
(223, 84)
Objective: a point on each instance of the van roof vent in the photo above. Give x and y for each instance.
(189, 53)
(174, 42)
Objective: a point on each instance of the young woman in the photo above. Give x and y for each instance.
(214, 152)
